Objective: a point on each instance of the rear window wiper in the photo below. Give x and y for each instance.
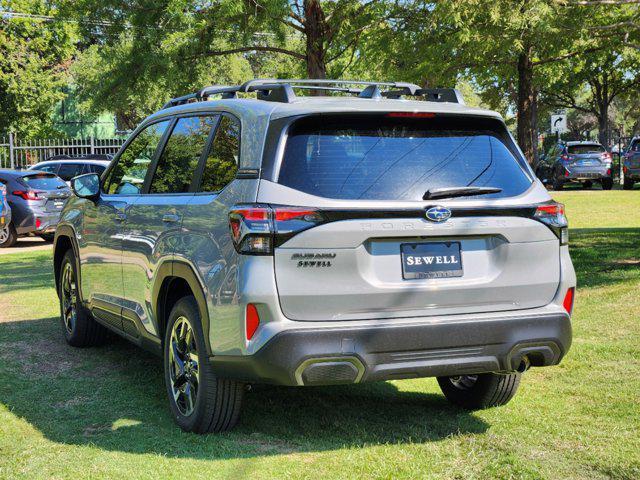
(450, 192)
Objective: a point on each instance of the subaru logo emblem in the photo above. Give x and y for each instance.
(438, 214)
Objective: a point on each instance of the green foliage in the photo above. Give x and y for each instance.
(34, 59)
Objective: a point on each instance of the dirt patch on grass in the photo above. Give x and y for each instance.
(265, 445)
(49, 358)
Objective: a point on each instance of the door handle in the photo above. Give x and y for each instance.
(170, 218)
(121, 216)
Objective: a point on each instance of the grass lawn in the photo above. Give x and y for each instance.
(71, 413)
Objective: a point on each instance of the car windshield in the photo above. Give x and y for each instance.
(398, 158)
(584, 149)
(43, 181)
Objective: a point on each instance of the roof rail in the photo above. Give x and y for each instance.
(282, 90)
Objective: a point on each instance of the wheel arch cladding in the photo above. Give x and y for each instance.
(174, 281)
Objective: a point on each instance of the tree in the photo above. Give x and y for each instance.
(604, 75)
(34, 60)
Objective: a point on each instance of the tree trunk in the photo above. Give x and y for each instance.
(316, 32)
(603, 125)
(526, 105)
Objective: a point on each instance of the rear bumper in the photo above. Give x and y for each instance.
(324, 356)
(48, 222)
(588, 174)
(632, 173)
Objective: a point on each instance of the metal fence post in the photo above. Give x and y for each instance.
(11, 152)
(93, 144)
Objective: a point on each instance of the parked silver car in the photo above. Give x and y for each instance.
(631, 167)
(581, 162)
(36, 200)
(319, 240)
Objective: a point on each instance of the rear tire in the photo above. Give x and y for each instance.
(80, 329)
(628, 184)
(480, 391)
(199, 400)
(558, 184)
(607, 183)
(8, 236)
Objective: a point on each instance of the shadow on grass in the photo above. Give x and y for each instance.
(605, 256)
(113, 397)
(26, 272)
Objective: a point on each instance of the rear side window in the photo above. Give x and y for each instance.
(583, 149)
(221, 164)
(181, 155)
(635, 146)
(128, 174)
(43, 181)
(69, 170)
(386, 158)
(51, 168)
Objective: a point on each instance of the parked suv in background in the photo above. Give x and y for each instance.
(578, 162)
(631, 168)
(36, 200)
(319, 240)
(67, 167)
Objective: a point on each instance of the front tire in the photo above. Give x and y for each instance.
(199, 400)
(47, 237)
(485, 390)
(80, 329)
(8, 236)
(558, 184)
(587, 185)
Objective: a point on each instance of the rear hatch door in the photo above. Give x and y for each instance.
(382, 251)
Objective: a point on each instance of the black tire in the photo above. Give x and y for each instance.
(218, 401)
(9, 236)
(80, 329)
(628, 184)
(607, 183)
(47, 237)
(484, 390)
(587, 185)
(558, 184)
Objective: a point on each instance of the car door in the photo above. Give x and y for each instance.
(104, 220)
(154, 221)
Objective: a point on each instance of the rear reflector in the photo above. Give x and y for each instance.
(568, 300)
(252, 320)
(38, 223)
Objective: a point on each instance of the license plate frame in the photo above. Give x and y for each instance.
(429, 260)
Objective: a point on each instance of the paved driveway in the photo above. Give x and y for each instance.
(27, 244)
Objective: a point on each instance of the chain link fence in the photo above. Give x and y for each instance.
(15, 154)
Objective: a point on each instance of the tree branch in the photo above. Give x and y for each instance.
(257, 48)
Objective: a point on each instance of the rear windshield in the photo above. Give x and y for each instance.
(389, 158)
(582, 149)
(43, 181)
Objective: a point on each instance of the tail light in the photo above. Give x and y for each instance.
(552, 215)
(624, 169)
(608, 172)
(257, 229)
(567, 303)
(27, 194)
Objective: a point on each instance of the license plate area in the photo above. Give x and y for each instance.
(431, 260)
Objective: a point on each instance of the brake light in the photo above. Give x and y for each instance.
(252, 320)
(27, 194)
(256, 229)
(624, 169)
(411, 114)
(608, 172)
(567, 303)
(552, 214)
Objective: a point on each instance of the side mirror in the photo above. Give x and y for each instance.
(86, 186)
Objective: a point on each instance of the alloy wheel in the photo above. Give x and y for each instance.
(183, 366)
(69, 298)
(4, 234)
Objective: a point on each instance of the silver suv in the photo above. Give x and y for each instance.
(319, 240)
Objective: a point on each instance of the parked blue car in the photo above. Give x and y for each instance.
(5, 215)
